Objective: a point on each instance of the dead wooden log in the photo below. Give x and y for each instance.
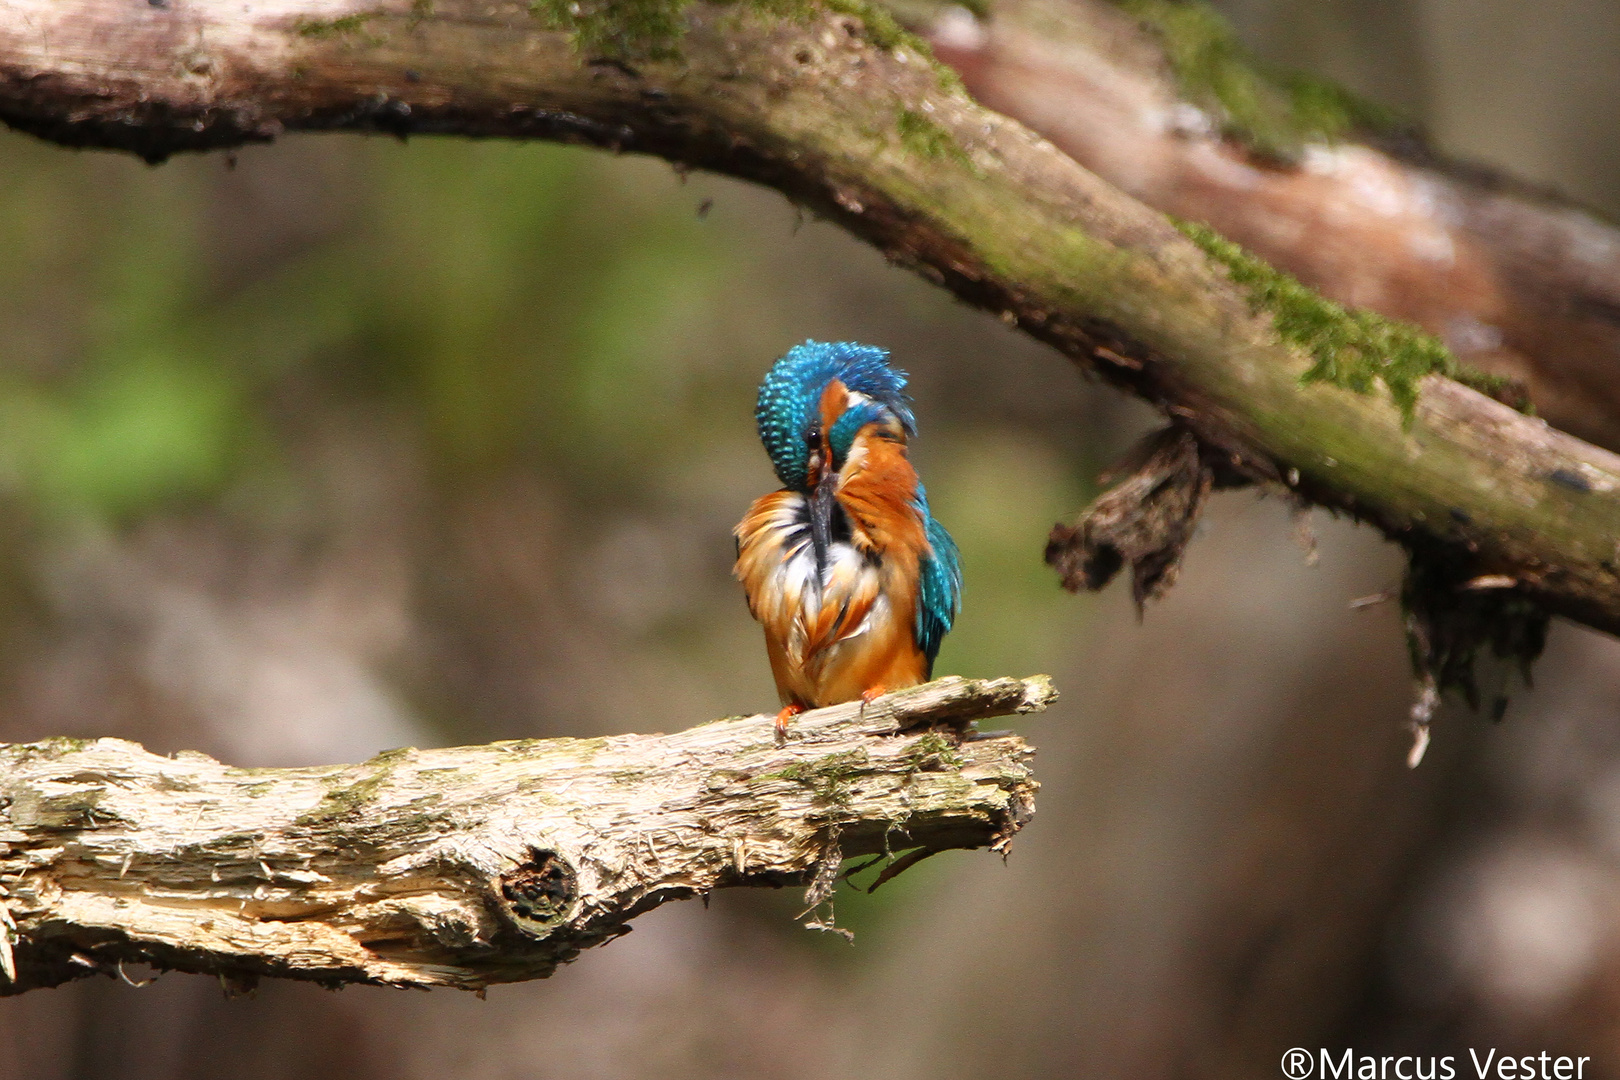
(476, 865)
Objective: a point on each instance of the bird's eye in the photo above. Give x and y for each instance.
(813, 436)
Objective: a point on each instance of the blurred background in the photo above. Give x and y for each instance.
(343, 444)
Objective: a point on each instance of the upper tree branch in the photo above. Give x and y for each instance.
(481, 864)
(844, 114)
(1515, 280)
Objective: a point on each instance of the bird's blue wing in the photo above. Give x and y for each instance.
(940, 589)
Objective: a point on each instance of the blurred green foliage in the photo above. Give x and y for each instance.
(489, 290)
(111, 403)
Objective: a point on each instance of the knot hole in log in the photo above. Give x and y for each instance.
(539, 893)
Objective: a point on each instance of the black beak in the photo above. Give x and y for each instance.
(822, 505)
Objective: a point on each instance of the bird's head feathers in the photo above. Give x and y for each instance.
(796, 424)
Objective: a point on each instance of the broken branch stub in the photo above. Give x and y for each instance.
(1144, 522)
(474, 865)
(1455, 608)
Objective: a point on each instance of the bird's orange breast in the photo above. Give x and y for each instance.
(847, 626)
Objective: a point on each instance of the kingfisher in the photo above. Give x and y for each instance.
(853, 580)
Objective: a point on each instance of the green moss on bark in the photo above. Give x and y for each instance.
(882, 29)
(933, 752)
(1350, 348)
(652, 29)
(922, 136)
(622, 29)
(332, 28)
(347, 800)
(829, 776)
(1273, 113)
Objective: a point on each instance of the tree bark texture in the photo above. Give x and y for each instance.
(476, 865)
(849, 115)
(1515, 280)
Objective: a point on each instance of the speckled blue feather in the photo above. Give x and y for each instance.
(791, 394)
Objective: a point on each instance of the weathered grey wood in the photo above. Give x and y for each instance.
(832, 104)
(476, 865)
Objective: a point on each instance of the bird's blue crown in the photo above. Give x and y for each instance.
(791, 394)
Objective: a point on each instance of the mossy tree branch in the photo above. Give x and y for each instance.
(835, 106)
(1159, 98)
(476, 865)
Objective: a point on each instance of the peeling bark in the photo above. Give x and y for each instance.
(476, 865)
(1144, 522)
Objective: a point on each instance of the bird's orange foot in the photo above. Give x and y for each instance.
(788, 712)
(871, 694)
